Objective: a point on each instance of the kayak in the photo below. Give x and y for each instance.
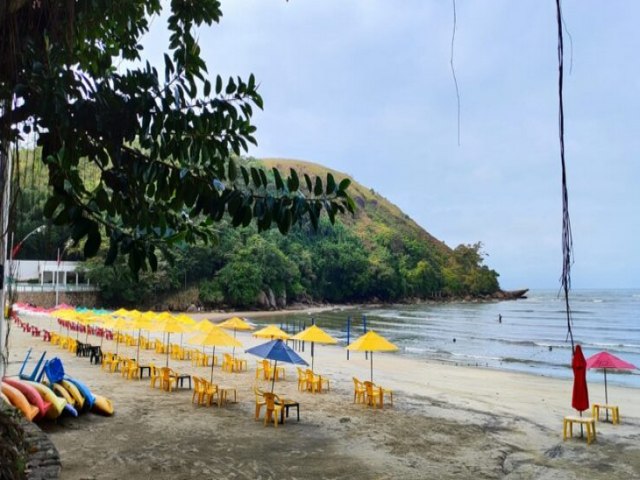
(32, 395)
(102, 406)
(19, 401)
(57, 403)
(89, 398)
(63, 393)
(70, 409)
(78, 398)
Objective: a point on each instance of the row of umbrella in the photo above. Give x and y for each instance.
(210, 334)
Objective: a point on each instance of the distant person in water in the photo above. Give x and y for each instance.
(499, 318)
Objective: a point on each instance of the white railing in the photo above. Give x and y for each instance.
(50, 287)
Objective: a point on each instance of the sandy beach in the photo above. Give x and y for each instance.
(447, 422)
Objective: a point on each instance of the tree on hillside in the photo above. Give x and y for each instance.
(161, 142)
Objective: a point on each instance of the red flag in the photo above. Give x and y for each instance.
(580, 398)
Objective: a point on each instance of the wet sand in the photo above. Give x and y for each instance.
(446, 422)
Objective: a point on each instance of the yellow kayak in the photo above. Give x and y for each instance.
(63, 393)
(74, 392)
(57, 403)
(103, 406)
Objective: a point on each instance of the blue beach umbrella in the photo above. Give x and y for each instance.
(278, 351)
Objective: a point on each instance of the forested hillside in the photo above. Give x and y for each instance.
(379, 254)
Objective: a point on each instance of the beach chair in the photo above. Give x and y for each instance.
(358, 391)
(154, 373)
(273, 408)
(37, 372)
(198, 389)
(302, 379)
(373, 394)
(313, 382)
(260, 402)
(168, 379)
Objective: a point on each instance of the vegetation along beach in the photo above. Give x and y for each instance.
(260, 239)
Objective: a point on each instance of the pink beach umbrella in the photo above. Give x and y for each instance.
(606, 361)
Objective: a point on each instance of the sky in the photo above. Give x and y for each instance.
(365, 87)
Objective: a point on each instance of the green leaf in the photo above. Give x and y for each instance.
(233, 171)
(278, 179)
(245, 174)
(344, 184)
(218, 85)
(307, 179)
(92, 245)
(255, 176)
(331, 184)
(293, 182)
(51, 205)
(317, 191)
(153, 261)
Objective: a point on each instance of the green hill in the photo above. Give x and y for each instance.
(379, 254)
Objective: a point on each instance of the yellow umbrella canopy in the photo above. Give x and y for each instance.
(372, 342)
(118, 324)
(215, 337)
(186, 319)
(314, 334)
(171, 326)
(120, 312)
(272, 332)
(236, 323)
(203, 326)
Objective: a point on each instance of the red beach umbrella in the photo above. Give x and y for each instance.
(580, 398)
(605, 360)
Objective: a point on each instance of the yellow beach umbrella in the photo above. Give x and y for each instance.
(141, 323)
(119, 324)
(169, 327)
(272, 332)
(314, 334)
(235, 324)
(120, 312)
(214, 338)
(203, 326)
(372, 342)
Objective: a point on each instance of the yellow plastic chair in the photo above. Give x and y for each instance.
(227, 363)
(260, 401)
(210, 391)
(302, 379)
(168, 379)
(155, 375)
(198, 389)
(313, 382)
(239, 364)
(273, 409)
(358, 391)
(374, 395)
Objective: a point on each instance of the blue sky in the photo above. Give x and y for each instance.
(365, 87)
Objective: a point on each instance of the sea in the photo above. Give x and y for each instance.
(526, 335)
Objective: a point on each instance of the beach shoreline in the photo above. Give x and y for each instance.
(447, 421)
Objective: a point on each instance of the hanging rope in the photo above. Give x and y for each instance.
(453, 70)
(567, 239)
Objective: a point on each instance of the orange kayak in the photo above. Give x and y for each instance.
(19, 401)
(31, 394)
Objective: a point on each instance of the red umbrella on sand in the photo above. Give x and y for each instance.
(580, 398)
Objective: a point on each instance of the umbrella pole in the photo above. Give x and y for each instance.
(211, 380)
(138, 351)
(606, 395)
(312, 356)
(168, 340)
(273, 375)
(371, 367)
